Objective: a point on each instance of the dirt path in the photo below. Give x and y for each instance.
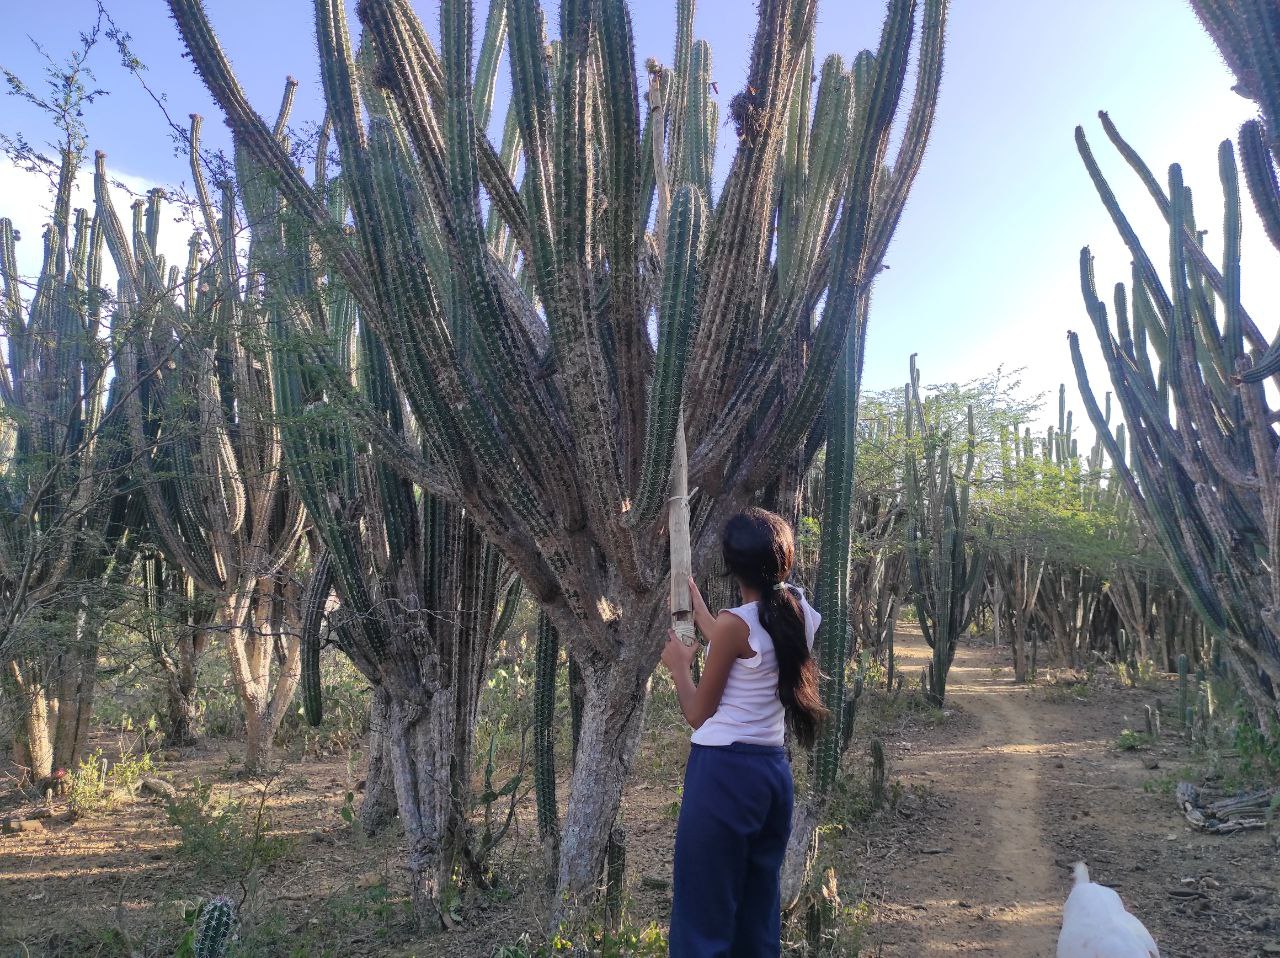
(988, 884)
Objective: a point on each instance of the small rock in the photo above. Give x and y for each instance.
(13, 826)
(160, 788)
(370, 880)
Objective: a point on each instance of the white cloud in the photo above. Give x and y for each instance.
(26, 199)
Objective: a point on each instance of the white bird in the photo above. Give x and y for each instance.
(1095, 924)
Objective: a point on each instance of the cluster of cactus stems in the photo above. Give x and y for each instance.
(1063, 599)
(1070, 592)
(1190, 369)
(67, 513)
(204, 423)
(947, 570)
(422, 595)
(943, 571)
(518, 330)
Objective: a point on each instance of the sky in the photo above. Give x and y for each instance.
(984, 266)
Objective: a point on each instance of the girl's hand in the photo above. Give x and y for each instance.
(702, 616)
(677, 656)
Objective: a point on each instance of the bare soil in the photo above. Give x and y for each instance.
(1027, 781)
(993, 800)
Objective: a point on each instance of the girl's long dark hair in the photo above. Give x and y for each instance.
(759, 549)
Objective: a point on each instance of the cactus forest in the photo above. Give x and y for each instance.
(361, 460)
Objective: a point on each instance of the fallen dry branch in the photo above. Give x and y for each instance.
(1228, 815)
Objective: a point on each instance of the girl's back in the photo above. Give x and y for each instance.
(750, 710)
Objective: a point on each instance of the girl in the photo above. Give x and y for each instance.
(735, 817)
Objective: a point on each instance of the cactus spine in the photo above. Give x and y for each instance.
(531, 385)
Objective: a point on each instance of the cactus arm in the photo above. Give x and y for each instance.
(677, 325)
(679, 90)
(626, 314)
(252, 132)
(313, 601)
(919, 125)
(736, 255)
(495, 34)
(546, 662)
(836, 647)
(1260, 175)
(1150, 277)
(531, 99)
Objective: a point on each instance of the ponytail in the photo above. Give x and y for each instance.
(783, 618)
(759, 548)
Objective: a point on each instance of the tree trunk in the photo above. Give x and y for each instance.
(39, 746)
(183, 710)
(183, 723)
(379, 806)
(35, 732)
(1018, 643)
(251, 644)
(612, 719)
(77, 678)
(421, 739)
(802, 848)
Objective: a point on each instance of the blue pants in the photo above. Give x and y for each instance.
(734, 823)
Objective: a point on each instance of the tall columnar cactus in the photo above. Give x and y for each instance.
(66, 512)
(422, 597)
(203, 422)
(546, 659)
(1070, 590)
(947, 570)
(522, 343)
(1190, 368)
(1018, 567)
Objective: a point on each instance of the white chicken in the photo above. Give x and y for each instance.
(1095, 924)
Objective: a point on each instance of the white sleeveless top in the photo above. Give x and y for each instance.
(750, 710)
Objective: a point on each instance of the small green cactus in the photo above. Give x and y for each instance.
(215, 928)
